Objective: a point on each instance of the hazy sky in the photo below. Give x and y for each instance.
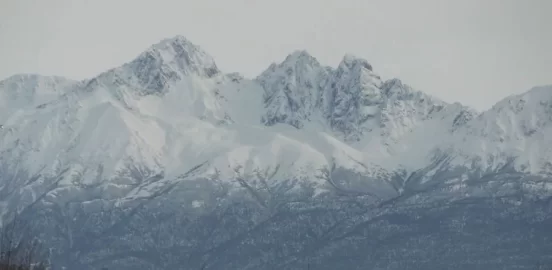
(472, 51)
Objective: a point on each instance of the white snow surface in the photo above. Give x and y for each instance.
(171, 109)
(517, 131)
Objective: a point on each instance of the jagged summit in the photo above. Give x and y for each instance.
(178, 39)
(160, 66)
(395, 82)
(351, 61)
(179, 55)
(292, 89)
(397, 89)
(297, 61)
(300, 57)
(350, 99)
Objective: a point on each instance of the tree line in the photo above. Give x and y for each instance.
(19, 248)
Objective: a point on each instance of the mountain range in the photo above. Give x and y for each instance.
(166, 162)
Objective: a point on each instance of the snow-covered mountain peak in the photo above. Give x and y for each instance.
(541, 91)
(292, 89)
(180, 55)
(357, 71)
(161, 66)
(178, 39)
(300, 58)
(517, 116)
(351, 61)
(515, 132)
(351, 100)
(538, 95)
(298, 64)
(395, 87)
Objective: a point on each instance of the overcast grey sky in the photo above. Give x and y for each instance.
(472, 51)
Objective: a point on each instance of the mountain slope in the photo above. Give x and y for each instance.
(169, 134)
(517, 129)
(171, 110)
